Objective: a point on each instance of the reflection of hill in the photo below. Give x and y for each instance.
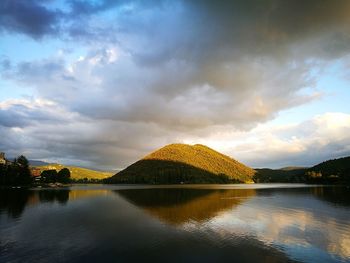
(178, 206)
(79, 194)
(337, 195)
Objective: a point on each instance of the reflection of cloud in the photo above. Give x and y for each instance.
(287, 227)
(110, 228)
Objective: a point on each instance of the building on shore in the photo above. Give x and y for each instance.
(35, 172)
(2, 158)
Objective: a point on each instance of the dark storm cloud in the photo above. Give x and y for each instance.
(9, 118)
(219, 32)
(28, 17)
(255, 27)
(163, 71)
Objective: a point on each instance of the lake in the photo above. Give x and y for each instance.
(188, 223)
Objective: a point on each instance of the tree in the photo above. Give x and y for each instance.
(63, 176)
(16, 172)
(49, 176)
(22, 161)
(24, 172)
(3, 174)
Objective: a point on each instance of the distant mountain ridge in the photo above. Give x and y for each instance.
(282, 175)
(177, 163)
(37, 163)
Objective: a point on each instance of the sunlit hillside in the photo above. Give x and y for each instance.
(177, 163)
(77, 172)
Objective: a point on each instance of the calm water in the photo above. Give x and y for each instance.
(229, 223)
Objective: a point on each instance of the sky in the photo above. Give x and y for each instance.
(102, 83)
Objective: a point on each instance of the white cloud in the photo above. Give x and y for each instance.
(42, 129)
(155, 74)
(307, 143)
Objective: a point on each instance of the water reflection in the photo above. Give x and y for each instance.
(60, 196)
(178, 206)
(14, 201)
(289, 218)
(337, 195)
(180, 224)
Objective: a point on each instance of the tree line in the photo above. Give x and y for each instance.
(52, 176)
(18, 173)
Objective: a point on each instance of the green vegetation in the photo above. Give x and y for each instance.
(181, 163)
(52, 176)
(330, 172)
(77, 174)
(20, 173)
(283, 175)
(174, 164)
(16, 172)
(335, 171)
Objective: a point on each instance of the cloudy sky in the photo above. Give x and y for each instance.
(102, 83)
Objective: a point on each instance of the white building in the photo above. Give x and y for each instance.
(2, 158)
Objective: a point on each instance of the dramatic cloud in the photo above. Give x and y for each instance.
(28, 17)
(164, 71)
(108, 85)
(305, 144)
(44, 130)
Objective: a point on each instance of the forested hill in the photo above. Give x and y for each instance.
(182, 163)
(336, 171)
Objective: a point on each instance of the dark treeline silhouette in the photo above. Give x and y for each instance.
(52, 176)
(331, 171)
(87, 181)
(16, 172)
(335, 171)
(266, 175)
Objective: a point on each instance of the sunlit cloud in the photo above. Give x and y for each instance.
(137, 75)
